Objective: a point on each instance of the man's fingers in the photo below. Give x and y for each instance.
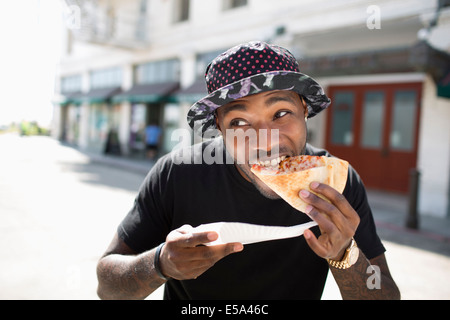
(195, 239)
(184, 237)
(336, 218)
(320, 210)
(212, 254)
(205, 257)
(192, 246)
(315, 244)
(337, 199)
(190, 262)
(345, 216)
(325, 224)
(185, 255)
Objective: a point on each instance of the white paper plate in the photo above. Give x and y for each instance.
(246, 233)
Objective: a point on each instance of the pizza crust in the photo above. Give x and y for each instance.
(288, 185)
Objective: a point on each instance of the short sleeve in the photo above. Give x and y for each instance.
(148, 222)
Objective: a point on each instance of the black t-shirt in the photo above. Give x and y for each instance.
(175, 194)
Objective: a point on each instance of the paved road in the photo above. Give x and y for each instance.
(59, 210)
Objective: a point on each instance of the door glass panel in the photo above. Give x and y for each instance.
(372, 121)
(404, 121)
(342, 122)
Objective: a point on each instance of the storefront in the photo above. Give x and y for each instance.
(72, 124)
(69, 109)
(375, 127)
(375, 120)
(103, 120)
(149, 103)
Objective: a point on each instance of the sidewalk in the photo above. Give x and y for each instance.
(389, 210)
(390, 213)
(136, 165)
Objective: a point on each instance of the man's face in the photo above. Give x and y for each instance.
(263, 127)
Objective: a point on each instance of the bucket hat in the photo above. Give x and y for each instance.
(252, 68)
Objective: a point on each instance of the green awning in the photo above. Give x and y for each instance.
(72, 98)
(148, 93)
(101, 95)
(93, 96)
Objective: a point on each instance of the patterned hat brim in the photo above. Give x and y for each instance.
(201, 114)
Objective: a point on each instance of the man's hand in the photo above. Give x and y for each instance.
(337, 221)
(185, 256)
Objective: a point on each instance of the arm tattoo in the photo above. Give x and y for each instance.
(355, 283)
(127, 277)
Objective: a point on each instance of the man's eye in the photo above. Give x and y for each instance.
(238, 123)
(281, 114)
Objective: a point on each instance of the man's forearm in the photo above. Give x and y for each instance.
(127, 277)
(365, 281)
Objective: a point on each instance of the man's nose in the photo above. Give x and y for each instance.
(268, 141)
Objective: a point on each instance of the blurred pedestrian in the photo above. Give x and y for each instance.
(112, 145)
(152, 140)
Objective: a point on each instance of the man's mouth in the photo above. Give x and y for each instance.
(268, 163)
(264, 164)
(274, 162)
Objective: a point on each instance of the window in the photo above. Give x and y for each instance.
(182, 10)
(231, 4)
(404, 120)
(106, 78)
(71, 84)
(141, 24)
(372, 120)
(157, 72)
(342, 122)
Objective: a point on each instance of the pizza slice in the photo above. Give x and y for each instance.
(290, 175)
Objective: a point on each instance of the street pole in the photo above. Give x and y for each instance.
(412, 219)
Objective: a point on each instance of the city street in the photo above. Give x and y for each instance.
(59, 210)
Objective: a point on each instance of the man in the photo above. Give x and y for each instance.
(152, 139)
(252, 87)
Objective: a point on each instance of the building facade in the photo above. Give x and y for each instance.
(385, 65)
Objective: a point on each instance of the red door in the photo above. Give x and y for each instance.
(375, 128)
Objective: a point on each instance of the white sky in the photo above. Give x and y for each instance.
(30, 44)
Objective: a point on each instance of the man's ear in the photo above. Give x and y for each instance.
(305, 107)
(216, 119)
